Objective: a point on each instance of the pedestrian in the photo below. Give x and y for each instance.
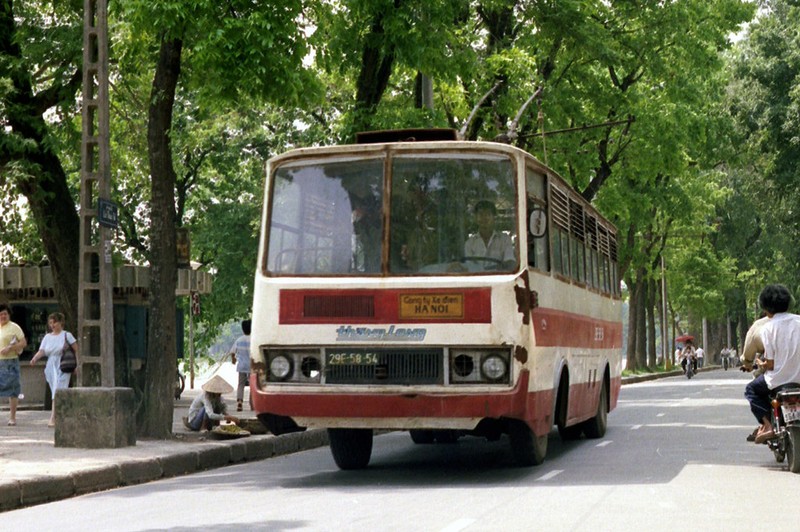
(12, 342)
(700, 354)
(780, 337)
(52, 346)
(240, 355)
(208, 409)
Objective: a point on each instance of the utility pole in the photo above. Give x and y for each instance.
(98, 215)
(666, 346)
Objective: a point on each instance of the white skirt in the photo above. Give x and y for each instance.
(54, 376)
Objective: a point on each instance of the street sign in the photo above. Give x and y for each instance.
(195, 304)
(107, 213)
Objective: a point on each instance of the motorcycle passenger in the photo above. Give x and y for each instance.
(780, 337)
(688, 353)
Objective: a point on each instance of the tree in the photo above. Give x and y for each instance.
(34, 81)
(243, 45)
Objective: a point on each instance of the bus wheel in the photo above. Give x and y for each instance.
(596, 427)
(447, 436)
(279, 424)
(573, 432)
(351, 448)
(421, 436)
(527, 448)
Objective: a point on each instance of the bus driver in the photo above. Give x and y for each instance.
(487, 242)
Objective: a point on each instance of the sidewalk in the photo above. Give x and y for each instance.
(34, 471)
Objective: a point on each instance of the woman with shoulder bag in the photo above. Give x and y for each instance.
(53, 345)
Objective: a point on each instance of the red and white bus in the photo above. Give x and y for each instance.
(416, 282)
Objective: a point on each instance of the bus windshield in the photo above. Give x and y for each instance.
(448, 213)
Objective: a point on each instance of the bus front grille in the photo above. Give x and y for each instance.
(384, 366)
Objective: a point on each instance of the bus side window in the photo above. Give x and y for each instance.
(538, 241)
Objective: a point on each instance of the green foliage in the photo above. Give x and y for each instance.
(761, 218)
(259, 78)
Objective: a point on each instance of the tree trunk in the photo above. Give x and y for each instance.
(631, 364)
(651, 323)
(156, 421)
(641, 322)
(40, 177)
(377, 62)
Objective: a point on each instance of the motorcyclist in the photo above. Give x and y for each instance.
(780, 337)
(688, 353)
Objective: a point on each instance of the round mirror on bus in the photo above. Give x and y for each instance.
(537, 222)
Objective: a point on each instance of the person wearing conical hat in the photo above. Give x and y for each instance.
(208, 409)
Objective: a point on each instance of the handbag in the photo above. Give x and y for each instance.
(68, 359)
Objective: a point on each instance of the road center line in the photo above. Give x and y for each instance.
(457, 525)
(551, 474)
(636, 427)
(604, 443)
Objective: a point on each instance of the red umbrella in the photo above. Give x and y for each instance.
(685, 338)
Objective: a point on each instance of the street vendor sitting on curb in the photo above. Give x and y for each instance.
(208, 408)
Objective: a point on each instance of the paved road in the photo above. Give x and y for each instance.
(674, 458)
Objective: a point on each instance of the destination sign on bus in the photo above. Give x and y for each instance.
(413, 306)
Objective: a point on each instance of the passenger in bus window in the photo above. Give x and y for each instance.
(487, 242)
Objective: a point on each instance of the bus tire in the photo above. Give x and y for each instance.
(596, 426)
(422, 436)
(279, 424)
(447, 436)
(570, 433)
(566, 433)
(526, 448)
(351, 448)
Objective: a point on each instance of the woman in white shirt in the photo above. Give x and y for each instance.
(51, 347)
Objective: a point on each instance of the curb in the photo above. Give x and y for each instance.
(29, 492)
(654, 376)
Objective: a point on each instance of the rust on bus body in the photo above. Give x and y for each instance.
(527, 299)
(521, 354)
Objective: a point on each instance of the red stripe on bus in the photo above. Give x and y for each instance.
(556, 328)
(382, 306)
(536, 408)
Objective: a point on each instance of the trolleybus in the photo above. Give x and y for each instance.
(413, 281)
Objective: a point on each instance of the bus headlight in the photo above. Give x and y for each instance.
(494, 368)
(479, 366)
(293, 366)
(280, 367)
(463, 365)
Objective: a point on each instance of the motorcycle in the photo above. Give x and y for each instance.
(688, 367)
(180, 384)
(785, 416)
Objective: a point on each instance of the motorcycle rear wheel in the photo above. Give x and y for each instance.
(793, 448)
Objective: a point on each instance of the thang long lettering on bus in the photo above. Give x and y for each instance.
(366, 334)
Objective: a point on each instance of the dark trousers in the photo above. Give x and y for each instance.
(757, 394)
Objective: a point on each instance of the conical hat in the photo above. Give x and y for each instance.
(217, 385)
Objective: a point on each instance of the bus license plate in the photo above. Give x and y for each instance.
(351, 358)
(791, 412)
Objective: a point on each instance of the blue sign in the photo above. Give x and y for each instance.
(107, 213)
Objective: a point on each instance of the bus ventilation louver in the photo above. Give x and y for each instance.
(335, 306)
